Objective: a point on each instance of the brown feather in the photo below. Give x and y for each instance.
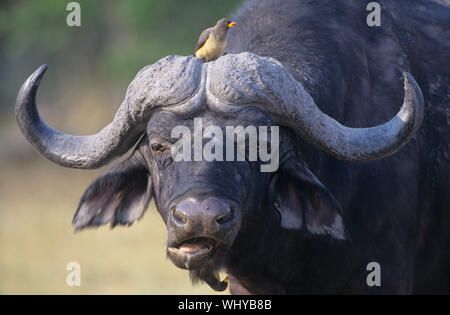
(203, 37)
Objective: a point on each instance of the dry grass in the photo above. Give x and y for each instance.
(37, 240)
(38, 200)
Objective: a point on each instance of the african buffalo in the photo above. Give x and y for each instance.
(340, 198)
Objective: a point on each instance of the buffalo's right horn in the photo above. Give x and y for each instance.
(73, 151)
(153, 87)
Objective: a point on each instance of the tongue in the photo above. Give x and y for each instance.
(194, 246)
(191, 248)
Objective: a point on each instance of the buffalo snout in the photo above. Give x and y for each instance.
(198, 228)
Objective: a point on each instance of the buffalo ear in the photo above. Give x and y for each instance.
(303, 202)
(121, 196)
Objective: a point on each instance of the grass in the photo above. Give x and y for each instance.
(37, 240)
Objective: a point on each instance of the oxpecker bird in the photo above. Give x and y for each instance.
(212, 41)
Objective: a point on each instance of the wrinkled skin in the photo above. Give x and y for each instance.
(151, 171)
(231, 182)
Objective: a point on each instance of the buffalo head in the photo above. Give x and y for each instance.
(206, 205)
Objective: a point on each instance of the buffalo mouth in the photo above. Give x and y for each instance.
(192, 253)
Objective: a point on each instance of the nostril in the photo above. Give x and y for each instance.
(226, 217)
(178, 216)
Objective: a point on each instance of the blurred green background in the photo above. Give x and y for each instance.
(89, 70)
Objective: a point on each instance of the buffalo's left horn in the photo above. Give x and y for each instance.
(358, 144)
(90, 151)
(266, 83)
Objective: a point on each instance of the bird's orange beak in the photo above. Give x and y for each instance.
(232, 24)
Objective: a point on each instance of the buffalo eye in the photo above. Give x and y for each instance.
(158, 148)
